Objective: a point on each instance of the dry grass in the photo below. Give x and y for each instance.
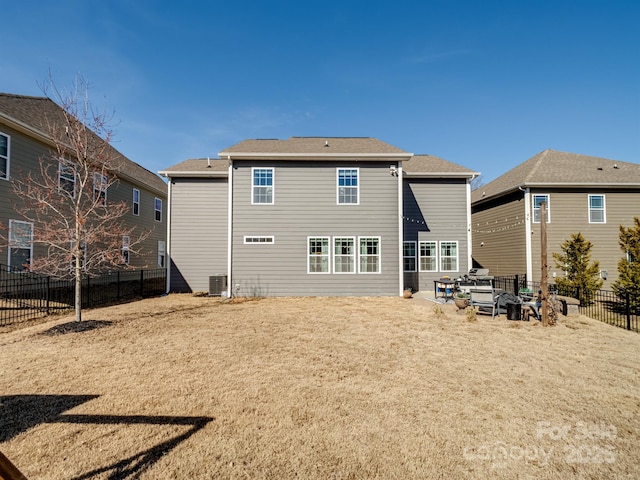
(187, 387)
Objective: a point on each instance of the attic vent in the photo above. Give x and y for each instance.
(599, 168)
(326, 143)
(217, 285)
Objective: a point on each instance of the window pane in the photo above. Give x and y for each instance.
(4, 145)
(344, 255)
(348, 185)
(428, 257)
(449, 256)
(318, 255)
(263, 185)
(369, 255)
(409, 256)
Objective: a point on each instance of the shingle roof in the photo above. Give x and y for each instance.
(198, 167)
(36, 113)
(553, 168)
(431, 165)
(314, 145)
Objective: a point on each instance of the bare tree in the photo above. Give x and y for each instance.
(75, 224)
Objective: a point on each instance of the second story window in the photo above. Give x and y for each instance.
(136, 202)
(158, 209)
(100, 188)
(262, 186)
(4, 156)
(67, 179)
(596, 209)
(537, 200)
(348, 186)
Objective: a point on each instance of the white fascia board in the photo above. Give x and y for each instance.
(316, 156)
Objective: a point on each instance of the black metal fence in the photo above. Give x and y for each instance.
(26, 296)
(603, 305)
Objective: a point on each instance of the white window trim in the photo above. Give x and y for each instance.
(309, 255)
(379, 255)
(442, 257)
(273, 185)
(535, 209)
(357, 169)
(437, 256)
(10, 247)
(134, 202)
(604, 208)
(259, 240)
(156, 210)
(354, 256)
(414, 256)
(8, 157)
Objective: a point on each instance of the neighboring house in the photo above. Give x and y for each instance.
(24, 140)
(317, 216)
(590, 195)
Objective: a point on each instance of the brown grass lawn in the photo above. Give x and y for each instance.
(194, 387)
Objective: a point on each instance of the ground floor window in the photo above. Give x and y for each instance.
(126, 241)
(448, 256)
(369, 255)
(409, 256)
(428, 257)
(346, 252)
(344, 255)
(20, 244)
(318, 255)
(161, 253)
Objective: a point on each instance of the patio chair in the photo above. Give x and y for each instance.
(483, 298)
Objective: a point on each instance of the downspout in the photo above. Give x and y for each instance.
(469, 233)
(400, 231)
(229, 228)
(168, 246)
(528, 232)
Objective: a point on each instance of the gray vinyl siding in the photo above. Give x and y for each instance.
(499, 236)
(305, 205)
(570, 214)
(198, 232)
(435, 210)
(122, 191)
(25, 154)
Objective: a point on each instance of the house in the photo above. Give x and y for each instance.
(316, 216)
(25, 139)
(585, 194)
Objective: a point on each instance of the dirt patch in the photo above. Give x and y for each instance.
(198, 387)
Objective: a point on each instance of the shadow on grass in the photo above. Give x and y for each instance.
(76, 327)
(19, 413)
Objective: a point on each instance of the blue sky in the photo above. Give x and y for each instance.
(483, 83)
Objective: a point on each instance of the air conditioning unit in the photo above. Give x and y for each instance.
(217, 285)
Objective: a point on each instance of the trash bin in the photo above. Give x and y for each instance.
(514, 311)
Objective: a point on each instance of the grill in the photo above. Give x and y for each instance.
(476, 276)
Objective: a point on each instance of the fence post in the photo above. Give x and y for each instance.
(627, 308)
(142, 283)
(118, 284)
(516, 285)
(88, 292)
(48, 297)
